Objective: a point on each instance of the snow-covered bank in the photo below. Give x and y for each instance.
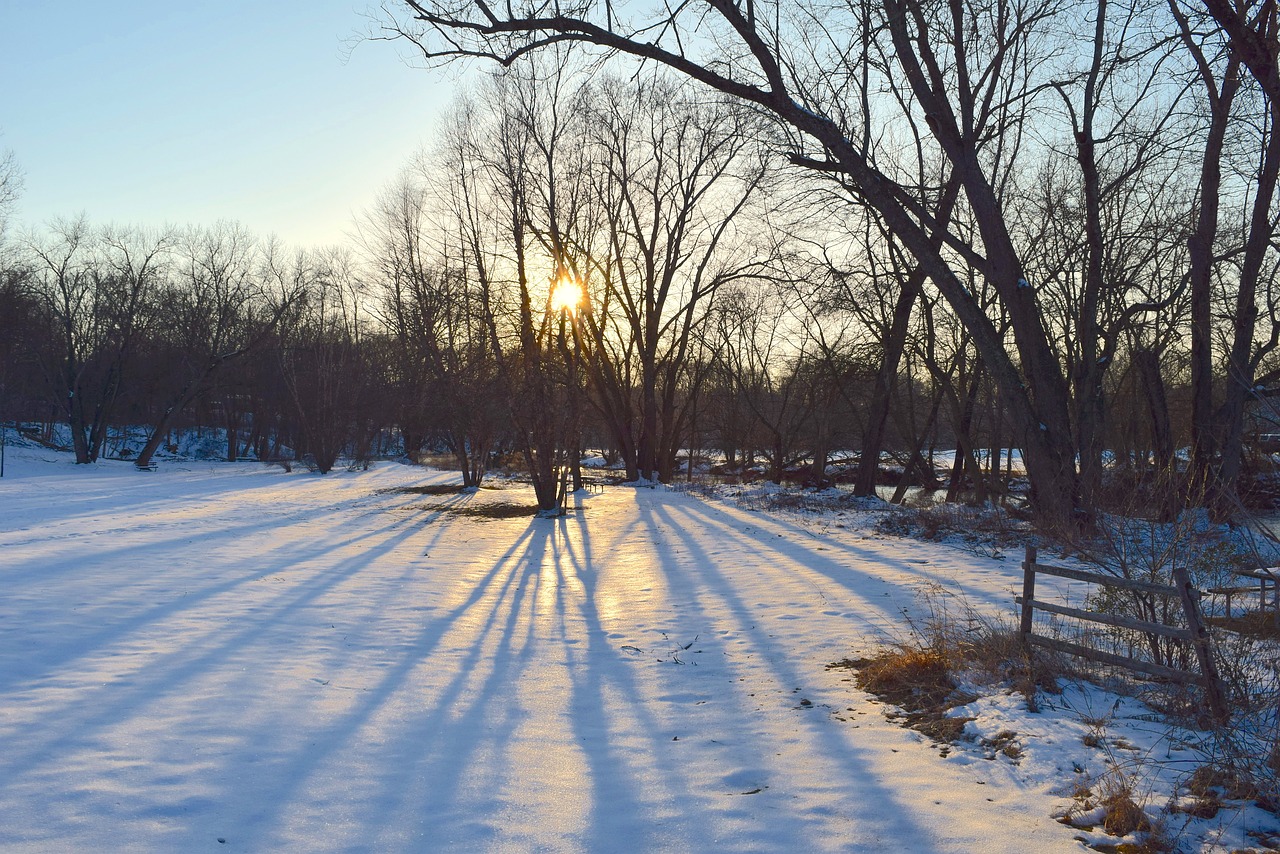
(227, 657)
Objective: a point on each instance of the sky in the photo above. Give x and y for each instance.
(271, 113)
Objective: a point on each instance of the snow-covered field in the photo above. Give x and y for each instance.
(218, 657)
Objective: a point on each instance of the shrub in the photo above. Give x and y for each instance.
(986, 529)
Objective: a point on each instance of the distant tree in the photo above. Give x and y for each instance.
(327, 363)
(97, 292)
(769, 376)
(22, 339)
(17, 308)
(441, 360)
(223, 299)
(676, 179)
(509, 227)
(881, 286)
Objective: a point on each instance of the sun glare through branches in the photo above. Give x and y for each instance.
(567, 295)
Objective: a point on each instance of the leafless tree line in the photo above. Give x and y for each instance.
(108, 326)
(1083, 187)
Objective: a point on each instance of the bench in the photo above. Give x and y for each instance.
(1228, 592)
(1266, 578)
(147, 467)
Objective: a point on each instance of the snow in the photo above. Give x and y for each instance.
(220, 657)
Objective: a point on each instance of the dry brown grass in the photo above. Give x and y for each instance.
(1222, 781)
(1122, 814)
(1006, 743)
(919, 682)
(1110, 803)
(907, 677)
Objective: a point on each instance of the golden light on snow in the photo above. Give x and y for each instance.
(567, 294)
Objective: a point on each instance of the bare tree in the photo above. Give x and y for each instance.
(97, 292)
(221, 302)
(10, 190)
(509, 218)
(444, 372)
(326, 361)
(17, 314)
(1254, 29)
(676, 178)
(770, 376)
(974, 93)
(23, 340)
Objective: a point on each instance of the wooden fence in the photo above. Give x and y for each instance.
(1195, 633)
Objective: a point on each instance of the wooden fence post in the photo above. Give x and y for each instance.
(1028, 591)
(1200, 642)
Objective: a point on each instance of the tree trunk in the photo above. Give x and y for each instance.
(647, 456)
(894, 345)
(1241, 360)
(886, 377)
(1200, 283)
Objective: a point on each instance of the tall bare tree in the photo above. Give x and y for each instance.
(97, 290)
(444, 371)
(972, 89)
(10, 190)
(676, 177)
(221, 301)
(326, 359)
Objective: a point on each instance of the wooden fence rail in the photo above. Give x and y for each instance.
(1195, 633)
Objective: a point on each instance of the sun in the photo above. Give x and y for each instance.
(566, 294)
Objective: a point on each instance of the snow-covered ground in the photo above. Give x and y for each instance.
(218, 657)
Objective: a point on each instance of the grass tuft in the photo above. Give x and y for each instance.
(911, 678)
(919, 682)
(1122, 814)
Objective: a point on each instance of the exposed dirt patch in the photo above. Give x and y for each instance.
(467, 503)
(1005, 743)
(487, 510)
(430, 489)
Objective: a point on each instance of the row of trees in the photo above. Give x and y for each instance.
(105, 327)
(987, 224)
(296, 353)
(1087, 188)
(317, 353)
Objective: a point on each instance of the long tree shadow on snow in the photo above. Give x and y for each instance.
(448, 705)
(170, 672)
(113, 621)
(521, 652)
(763, 670)
(848, 564)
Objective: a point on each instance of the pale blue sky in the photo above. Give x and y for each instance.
(149, 112)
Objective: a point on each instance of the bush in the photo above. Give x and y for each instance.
(986, 529)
